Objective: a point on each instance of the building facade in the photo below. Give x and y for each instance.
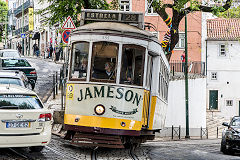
(223, 70)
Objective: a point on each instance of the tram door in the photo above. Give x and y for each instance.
(146, 99)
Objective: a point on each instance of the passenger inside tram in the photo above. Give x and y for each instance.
(104, 61)
(80, 60)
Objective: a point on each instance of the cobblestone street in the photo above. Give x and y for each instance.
(187, 150)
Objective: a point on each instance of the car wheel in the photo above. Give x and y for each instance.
(36, 148)
(224, 149)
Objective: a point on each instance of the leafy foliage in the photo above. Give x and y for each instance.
(61, 9)
(179, 9)
(3, 17)
(231, 13)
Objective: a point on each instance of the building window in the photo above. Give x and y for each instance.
(229, 102)
(222, 50)
(124, 5)
(181, 42)
(150, 10)
(213, 75)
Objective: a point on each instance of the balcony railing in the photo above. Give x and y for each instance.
(19, 31)
(194, 67)
(27, 4)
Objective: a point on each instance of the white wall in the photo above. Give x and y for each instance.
(197, 103)
(228, 76)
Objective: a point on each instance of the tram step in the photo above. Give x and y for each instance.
(88, 139)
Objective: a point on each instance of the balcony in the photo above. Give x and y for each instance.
(194, 67)
(19, 31)
(27, 5)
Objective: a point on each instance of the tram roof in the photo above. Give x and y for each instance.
(113, 27)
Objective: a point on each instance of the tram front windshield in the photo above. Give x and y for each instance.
(104, 62)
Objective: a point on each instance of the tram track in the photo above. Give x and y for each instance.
(132, 154)
(94, 154)
(24, 156)
(61, 154)
(129, 154)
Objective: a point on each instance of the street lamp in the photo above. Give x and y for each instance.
(22, 26)
(186, 80)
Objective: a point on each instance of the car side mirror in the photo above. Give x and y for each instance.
(225, 124)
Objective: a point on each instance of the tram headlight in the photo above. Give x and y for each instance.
(99, 109)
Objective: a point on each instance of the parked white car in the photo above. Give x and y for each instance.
(9, 53)
(24, 121)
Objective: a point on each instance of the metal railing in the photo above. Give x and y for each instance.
(27, 4)
(194, 67)
(19, 31)
(59, 84)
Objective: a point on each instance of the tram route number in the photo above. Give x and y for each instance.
(130, 17)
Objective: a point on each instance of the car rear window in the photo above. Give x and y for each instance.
(11, 101)
(15, 63)
(10, 81)
(10, 54)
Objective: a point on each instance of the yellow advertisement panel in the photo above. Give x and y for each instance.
(31, 23)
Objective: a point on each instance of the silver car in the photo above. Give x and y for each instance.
(14, 77)
(9, 53)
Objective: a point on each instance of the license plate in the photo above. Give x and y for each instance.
(17, 125)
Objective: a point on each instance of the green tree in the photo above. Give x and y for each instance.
(61, 9)
(231, 13)
(3, 17)
(178, 11)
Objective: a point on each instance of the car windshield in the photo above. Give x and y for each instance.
(15, 63)
(10, 81)
(236, 122)
(10, 54)
(13, 101)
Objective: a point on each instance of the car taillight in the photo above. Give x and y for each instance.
(33, 72)
(45, 117)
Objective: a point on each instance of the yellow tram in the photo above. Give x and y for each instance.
(117, 82)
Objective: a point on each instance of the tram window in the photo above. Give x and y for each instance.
(80, 60)
(104, 58)
(132, 65)
(149, 71)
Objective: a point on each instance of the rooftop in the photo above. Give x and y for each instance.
(223, 29)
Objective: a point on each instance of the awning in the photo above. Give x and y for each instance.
(36, 35)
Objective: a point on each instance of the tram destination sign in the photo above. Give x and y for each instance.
(112, 16)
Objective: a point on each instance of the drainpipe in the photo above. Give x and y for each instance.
(206, 57)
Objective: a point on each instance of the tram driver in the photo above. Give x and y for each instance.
(109, 71)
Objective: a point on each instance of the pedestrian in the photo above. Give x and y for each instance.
(50, 51)
(61, 52)
(57, 52)
(19, 47)
(37, 51)
(34, 49)
(183, 61)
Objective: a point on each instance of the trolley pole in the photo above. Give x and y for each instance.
(186, 80)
